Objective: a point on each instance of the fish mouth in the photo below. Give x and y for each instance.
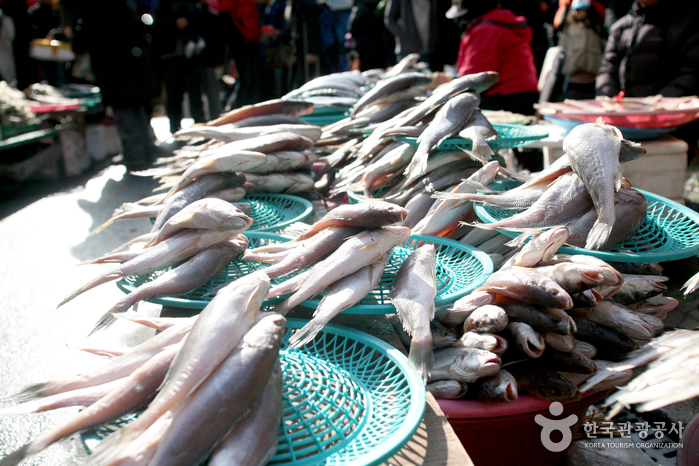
(493, 361)
(511, 393)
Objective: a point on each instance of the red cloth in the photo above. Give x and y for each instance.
(245, 16)
(499, 41)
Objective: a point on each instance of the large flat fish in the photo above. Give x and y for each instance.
(593, 151)
(412, 293)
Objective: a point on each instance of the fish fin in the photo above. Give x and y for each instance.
(618, 179)
(105, 321)
(691, 285)
(17, 457)
(306, 334)
(420, 358)
(481, 187)
(97, 281)
(599, 234)
(103, 226)
(520, 240)
(480, 152)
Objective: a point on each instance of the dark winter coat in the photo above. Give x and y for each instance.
(651, 51)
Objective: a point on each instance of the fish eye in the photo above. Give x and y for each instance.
(554, 293)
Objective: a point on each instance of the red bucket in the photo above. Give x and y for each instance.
(497, 433)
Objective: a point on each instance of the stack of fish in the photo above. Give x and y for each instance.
(545, 316)
(206, 234)
(211, 386)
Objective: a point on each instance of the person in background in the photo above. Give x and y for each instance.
(413, 24)
(304, 17)
(123, 68)
(494, 39)
(17, 10)
(46, 23)
(581, 39)
(538, 14)
(7, 58)
(369, 33)
(654, 49)
(446, 47)
(177, 44)
(212, 57)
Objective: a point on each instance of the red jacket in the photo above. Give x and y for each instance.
(245, 16)
(499, 41)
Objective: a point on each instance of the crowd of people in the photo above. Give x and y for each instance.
(142, 52)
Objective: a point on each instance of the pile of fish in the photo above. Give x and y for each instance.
(543, 323)
(197, 242)
(208, 386)
(583, 190)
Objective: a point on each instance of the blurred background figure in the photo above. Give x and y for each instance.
(583, 44)
(17, 10)
(123, 68)
(654, 49)
(413, 24)
(494, 39)
(7, 56)
(211, 58)
(46, 22)
(371, 38)
(304, 18)
(178, 44)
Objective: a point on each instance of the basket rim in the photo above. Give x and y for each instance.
(304, 203)
(531, 134)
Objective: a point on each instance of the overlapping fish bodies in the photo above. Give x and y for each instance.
(499, 387)
(528, 286)
(270, 107)
(388, 86)
(479, 130)
(412, 293)
(593, 151)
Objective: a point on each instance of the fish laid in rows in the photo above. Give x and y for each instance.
(412, 293)
(230, 133)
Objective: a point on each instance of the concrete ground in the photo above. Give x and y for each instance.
(44, 233)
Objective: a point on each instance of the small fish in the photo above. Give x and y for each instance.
(463, 307)
(619, 318)
(485, 341)
(463, 364)
(416, 209)
(499, 387)
(268, 120)
(657, 306)
(541, 248)
(447, 389)
(528, 286)
(564, 343)
(542, 322)
(80, 397)
(412, 293)
(585, 348)
(230, 133)
(638, 268)
(610, 344)
(526, 339)
(593, 151)
(486, 319)
(637, 288)
(269, 107)
(573, 277)
(285, 183)
(572, 361)
(611, 276)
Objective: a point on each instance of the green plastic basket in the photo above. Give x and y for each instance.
(348, 398)
(460, 269)
(273, 212)
(325, 119)
(509, 137)
(669, 232)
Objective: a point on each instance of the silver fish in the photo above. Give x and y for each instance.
(463, 307)
(388, 86)
(657, 306)
(80, 397)
(563, 343)
(619, 318)
(412, 293)
(526, 339)
(540, 321)
(447, 389)
(574, 277)
(286, 183)
(593, 151)
(541, 248)
(528, 286)
(485, 341)
(269, 107)
(486, 319)
(230, 133)
(637, 288)
(463, 364)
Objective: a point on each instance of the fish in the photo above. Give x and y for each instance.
(573, 277)
(404, 65)
(463, 307)
(290, 285)
(585, 348)
(285, 183)
(528, 286)
(231, 195)
(416, 209)
(229, 133)
(611, 276)
(196, 190)
(505, 200)
(543, 323)
(356, 252)
(282, 161)
(181, 246)
(545, 384)
(479, 130)
(447, 121)
(127, 395)
(593, 152)
(541, 248)
(392, 163)
(184, 278)
(637, 288)
(236, 161)
(499, 387)
(525, 339)
(610, 344)
(268, 120)
(559, 342)
(269, 107)
(657, 306)
(389, 86)
(339, 296)
(412, 292)
(253, 439)
(463, 364)
(485, 341)
(224, 397)
(619, 318)
(216, 333)
(486, 319)
(141, 212)
(586, 298)
(571, 361)
(366, 215)
(80, 397)
(691, 284)
(308, 253)
(117, 368)
(447, 389)
(638, 268)
(158, 323)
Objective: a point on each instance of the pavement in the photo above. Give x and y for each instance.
(45, 232)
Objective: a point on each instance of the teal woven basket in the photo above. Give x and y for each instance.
(273, 212)
(348, 398)
(509, 137)
(669, 232)
(460, 269)
(325, 119)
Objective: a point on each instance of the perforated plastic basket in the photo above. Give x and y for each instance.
(666, 118)
(348, 398)
(326, 119)
(669, 232)
(460, 269)
(273, 212)
(510, 136)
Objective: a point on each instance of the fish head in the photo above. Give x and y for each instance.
(504, 384)
(483, 80)
(268, 331)
(400, 234)
(476, 362)
(393, 212)
(442, 337)
(556, 294)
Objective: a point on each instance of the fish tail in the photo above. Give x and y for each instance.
(104, 225)
(420, 358)
(105, 321)
(96, 282)
(691, 285)
(305, 335)
(520, 240)
(16, 457)
(30, 392)
(598, 236)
